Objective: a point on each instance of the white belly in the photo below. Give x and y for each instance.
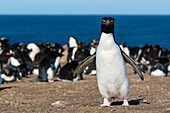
(14, 61)
(111, 70)
(50, 74)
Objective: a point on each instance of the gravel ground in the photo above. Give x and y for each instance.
(26, 96)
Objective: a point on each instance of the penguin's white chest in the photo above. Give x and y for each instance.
(57, 62)
(111, 70)
(14, 61)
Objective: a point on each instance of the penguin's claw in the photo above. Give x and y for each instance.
(106, 103)
(50, 80)
(125, 103)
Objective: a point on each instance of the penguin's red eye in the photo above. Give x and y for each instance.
(103, 21)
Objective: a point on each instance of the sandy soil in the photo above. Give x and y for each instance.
(26, 96)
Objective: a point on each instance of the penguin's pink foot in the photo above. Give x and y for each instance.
(105, 103)
(50, 80)
(125, 103)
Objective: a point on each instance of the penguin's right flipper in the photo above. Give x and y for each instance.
(133, 64)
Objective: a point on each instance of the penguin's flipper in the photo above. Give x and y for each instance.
(86, 62)
(133, 64)
(91, 59)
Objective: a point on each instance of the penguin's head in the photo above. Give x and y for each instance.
(107, 25)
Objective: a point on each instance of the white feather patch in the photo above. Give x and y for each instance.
(50, 74)
(6, 78)
(72, 42)
(158, 73)
(73, 53)
(14, 61)
(92, 50)
(35, 72)
(57, 62)
(35, 49)
(169, 68)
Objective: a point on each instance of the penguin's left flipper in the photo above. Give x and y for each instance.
(133, 64)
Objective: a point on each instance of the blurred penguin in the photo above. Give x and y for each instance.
(158, 70)
(73, 46)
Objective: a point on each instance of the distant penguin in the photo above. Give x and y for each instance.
(159, 70)
(142, 67)
(81, 54)
(90, 70)
(58, 47)
(66, 72)
(144, 54)
(73, 46)
(44, 53)
(92, 46)
(16, 57)
(10, 74)
(153, 54)
(4, 49)
(49, 66)
(163, 53)
(135, 53)
(112, 77)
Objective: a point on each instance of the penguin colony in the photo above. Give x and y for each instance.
(18, 61)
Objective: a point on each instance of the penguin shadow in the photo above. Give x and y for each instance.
(3, 88)
(131, 102)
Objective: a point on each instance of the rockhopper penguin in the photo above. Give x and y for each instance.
(110, 60)
(111, 70)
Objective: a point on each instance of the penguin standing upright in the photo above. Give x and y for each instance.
(73, 46)
(112, 77)
(49, 66)
(111, 70)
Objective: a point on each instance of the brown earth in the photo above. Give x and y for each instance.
(26, 96)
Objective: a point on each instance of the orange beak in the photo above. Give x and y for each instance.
(151, 67)
(35, 66)
(8, 54)
(107, 21)
(7, 72)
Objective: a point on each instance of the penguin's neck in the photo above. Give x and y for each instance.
(105, 37)
(107, 40)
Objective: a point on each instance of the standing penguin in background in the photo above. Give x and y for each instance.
(49, 65)
(112, 77)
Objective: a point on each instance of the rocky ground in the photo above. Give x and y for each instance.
(26, 96)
